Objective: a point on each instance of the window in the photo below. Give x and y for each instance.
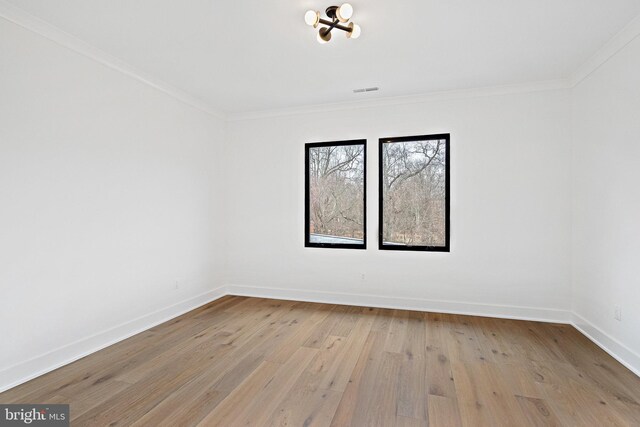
(414, 193)
(335, 194)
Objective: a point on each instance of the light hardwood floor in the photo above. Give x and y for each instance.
(259, 362)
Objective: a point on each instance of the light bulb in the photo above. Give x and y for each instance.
(321, 40)
(355, 31)
(311, 17)
(344, 12)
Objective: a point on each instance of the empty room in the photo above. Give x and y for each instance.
(306, 213)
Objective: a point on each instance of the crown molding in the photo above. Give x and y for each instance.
(625, 36)
(404, 100)
(24, 19)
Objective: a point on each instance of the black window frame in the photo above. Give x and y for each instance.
(307, 210)
(434, 137)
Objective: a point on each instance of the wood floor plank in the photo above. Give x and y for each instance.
(255, 400)
(402, 421)
(94, 396)
(245, 361)
(306, 405)
(462, 341)
(538, 412)
(128, 406)
(186, 406)
(412, 380)
(320, 334)
(297, 339)
(378, 404)
(77, 377)
(439, 380)
(347, 322)
(341, 369)
(396, 332)
(368, 359)
(233, 405)
(443, 411)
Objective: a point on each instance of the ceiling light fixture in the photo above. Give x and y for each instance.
(339, 15)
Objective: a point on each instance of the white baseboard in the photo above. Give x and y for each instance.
(40, 365)
(615, 348)
(403, 303)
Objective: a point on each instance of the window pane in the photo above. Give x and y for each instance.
(335, 194)
(414, 203)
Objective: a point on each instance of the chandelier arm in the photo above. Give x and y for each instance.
(334, 24)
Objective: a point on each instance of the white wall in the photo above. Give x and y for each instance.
(606, 202)
(511, 207)
(109, 192)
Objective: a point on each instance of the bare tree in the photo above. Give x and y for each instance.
(337, 190)
(414, 192)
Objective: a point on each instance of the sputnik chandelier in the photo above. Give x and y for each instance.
(339, 16)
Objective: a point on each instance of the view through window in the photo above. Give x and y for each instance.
(335, 194)
(414, 193)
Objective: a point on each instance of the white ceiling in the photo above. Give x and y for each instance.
(248, 55)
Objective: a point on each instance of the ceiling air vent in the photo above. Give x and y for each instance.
(366, 89)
